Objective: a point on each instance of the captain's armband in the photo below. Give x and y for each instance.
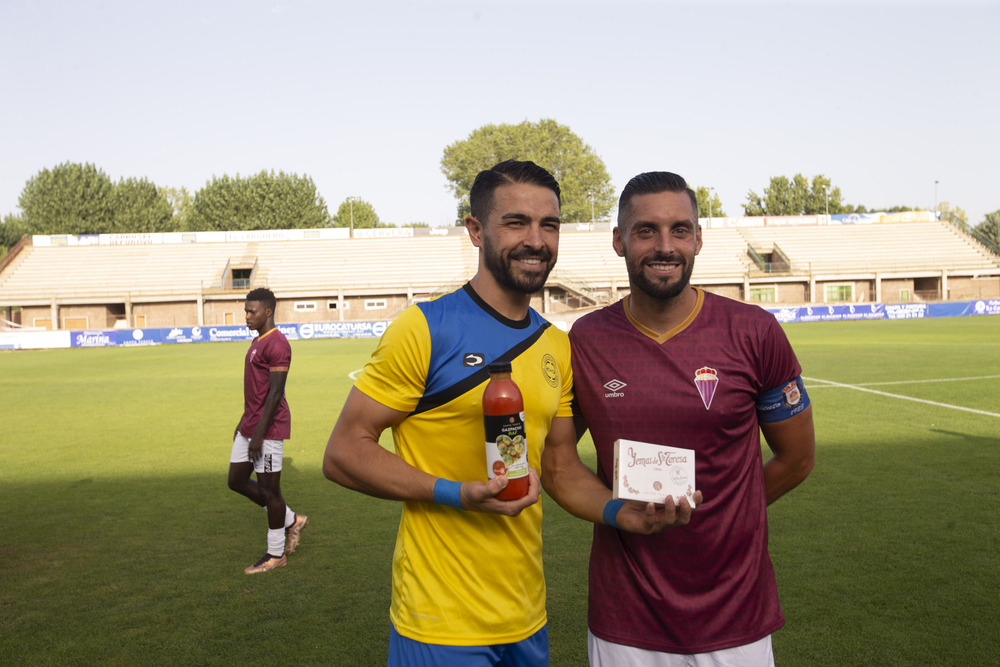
(783, 403)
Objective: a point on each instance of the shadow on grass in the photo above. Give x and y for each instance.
(132, 571)
(151, 570)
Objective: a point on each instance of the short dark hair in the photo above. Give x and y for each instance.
(506, 173)
(653, 182)
(264, 296)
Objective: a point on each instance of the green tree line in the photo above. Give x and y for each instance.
(76, 198)
(800, 196)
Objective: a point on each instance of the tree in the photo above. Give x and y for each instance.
(81, 199)
(704, 210)
(898, 208)
(138, 206)
(796, 197)
(587, 193)
(264, 201)
(12, 228)
(356, 214)
(68, 199)
(180, 202)
(989, 230)
(946, 211)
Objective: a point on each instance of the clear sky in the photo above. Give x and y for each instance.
(884, 98)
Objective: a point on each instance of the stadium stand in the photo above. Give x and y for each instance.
(884, 247)
(201, 278)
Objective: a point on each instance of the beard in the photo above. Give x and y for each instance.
(503, 272)
(659, 289)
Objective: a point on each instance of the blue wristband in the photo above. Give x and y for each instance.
(447, 492)
(611, 512)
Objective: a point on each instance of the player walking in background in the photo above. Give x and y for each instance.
(467, 581)
(689, 369)
(258, 443)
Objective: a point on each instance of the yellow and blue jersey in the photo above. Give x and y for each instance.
(459, 577)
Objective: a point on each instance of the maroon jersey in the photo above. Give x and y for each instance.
(270, 352)
(708, 585)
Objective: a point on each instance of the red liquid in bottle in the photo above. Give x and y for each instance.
(506, 440)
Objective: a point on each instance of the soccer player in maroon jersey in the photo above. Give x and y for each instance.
(674, 365)
(258, 442)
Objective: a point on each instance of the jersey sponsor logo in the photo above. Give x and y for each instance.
(550, 370)
(614, 388)
(471, 359)
(706, 380)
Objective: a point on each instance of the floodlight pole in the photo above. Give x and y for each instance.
(936, 215)
(350, 202)
(710, 191)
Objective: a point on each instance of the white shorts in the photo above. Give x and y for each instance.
(270, 459)
(607, 654)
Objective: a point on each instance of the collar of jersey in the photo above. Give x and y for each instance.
(666, 335)
(506, 321)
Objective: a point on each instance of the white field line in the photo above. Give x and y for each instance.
(856, 387)
(878, 384)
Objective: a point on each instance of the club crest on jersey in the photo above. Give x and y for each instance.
(614, 388)
(792, 394)
(706, 380)
(471, 359)
(550, 371)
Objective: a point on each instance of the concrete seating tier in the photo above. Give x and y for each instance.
(431, 264)
(869, 248)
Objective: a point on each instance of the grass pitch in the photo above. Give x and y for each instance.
(123, 545)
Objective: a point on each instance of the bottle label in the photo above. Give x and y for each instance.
(506, 445)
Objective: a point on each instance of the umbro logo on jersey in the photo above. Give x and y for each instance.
(614, 388)
(471, 359)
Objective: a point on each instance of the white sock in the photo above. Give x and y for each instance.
(276, 542)
(289, 516)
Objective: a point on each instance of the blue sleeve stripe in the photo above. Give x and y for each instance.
(480, 375)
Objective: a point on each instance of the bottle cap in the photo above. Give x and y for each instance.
(499, 367)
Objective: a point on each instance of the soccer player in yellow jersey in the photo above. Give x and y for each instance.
(467, 581)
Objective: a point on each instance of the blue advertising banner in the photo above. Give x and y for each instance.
(93, 339)
(336, 330)
(185, 335)
(130, 337)
(905, 311)
(224, 333)
(889, 311)
(962, 309)
(868, 311)
(215, 334)
(206, 334)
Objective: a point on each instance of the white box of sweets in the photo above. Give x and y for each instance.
(649, 473)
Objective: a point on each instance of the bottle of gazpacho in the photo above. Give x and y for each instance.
(506, 442)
